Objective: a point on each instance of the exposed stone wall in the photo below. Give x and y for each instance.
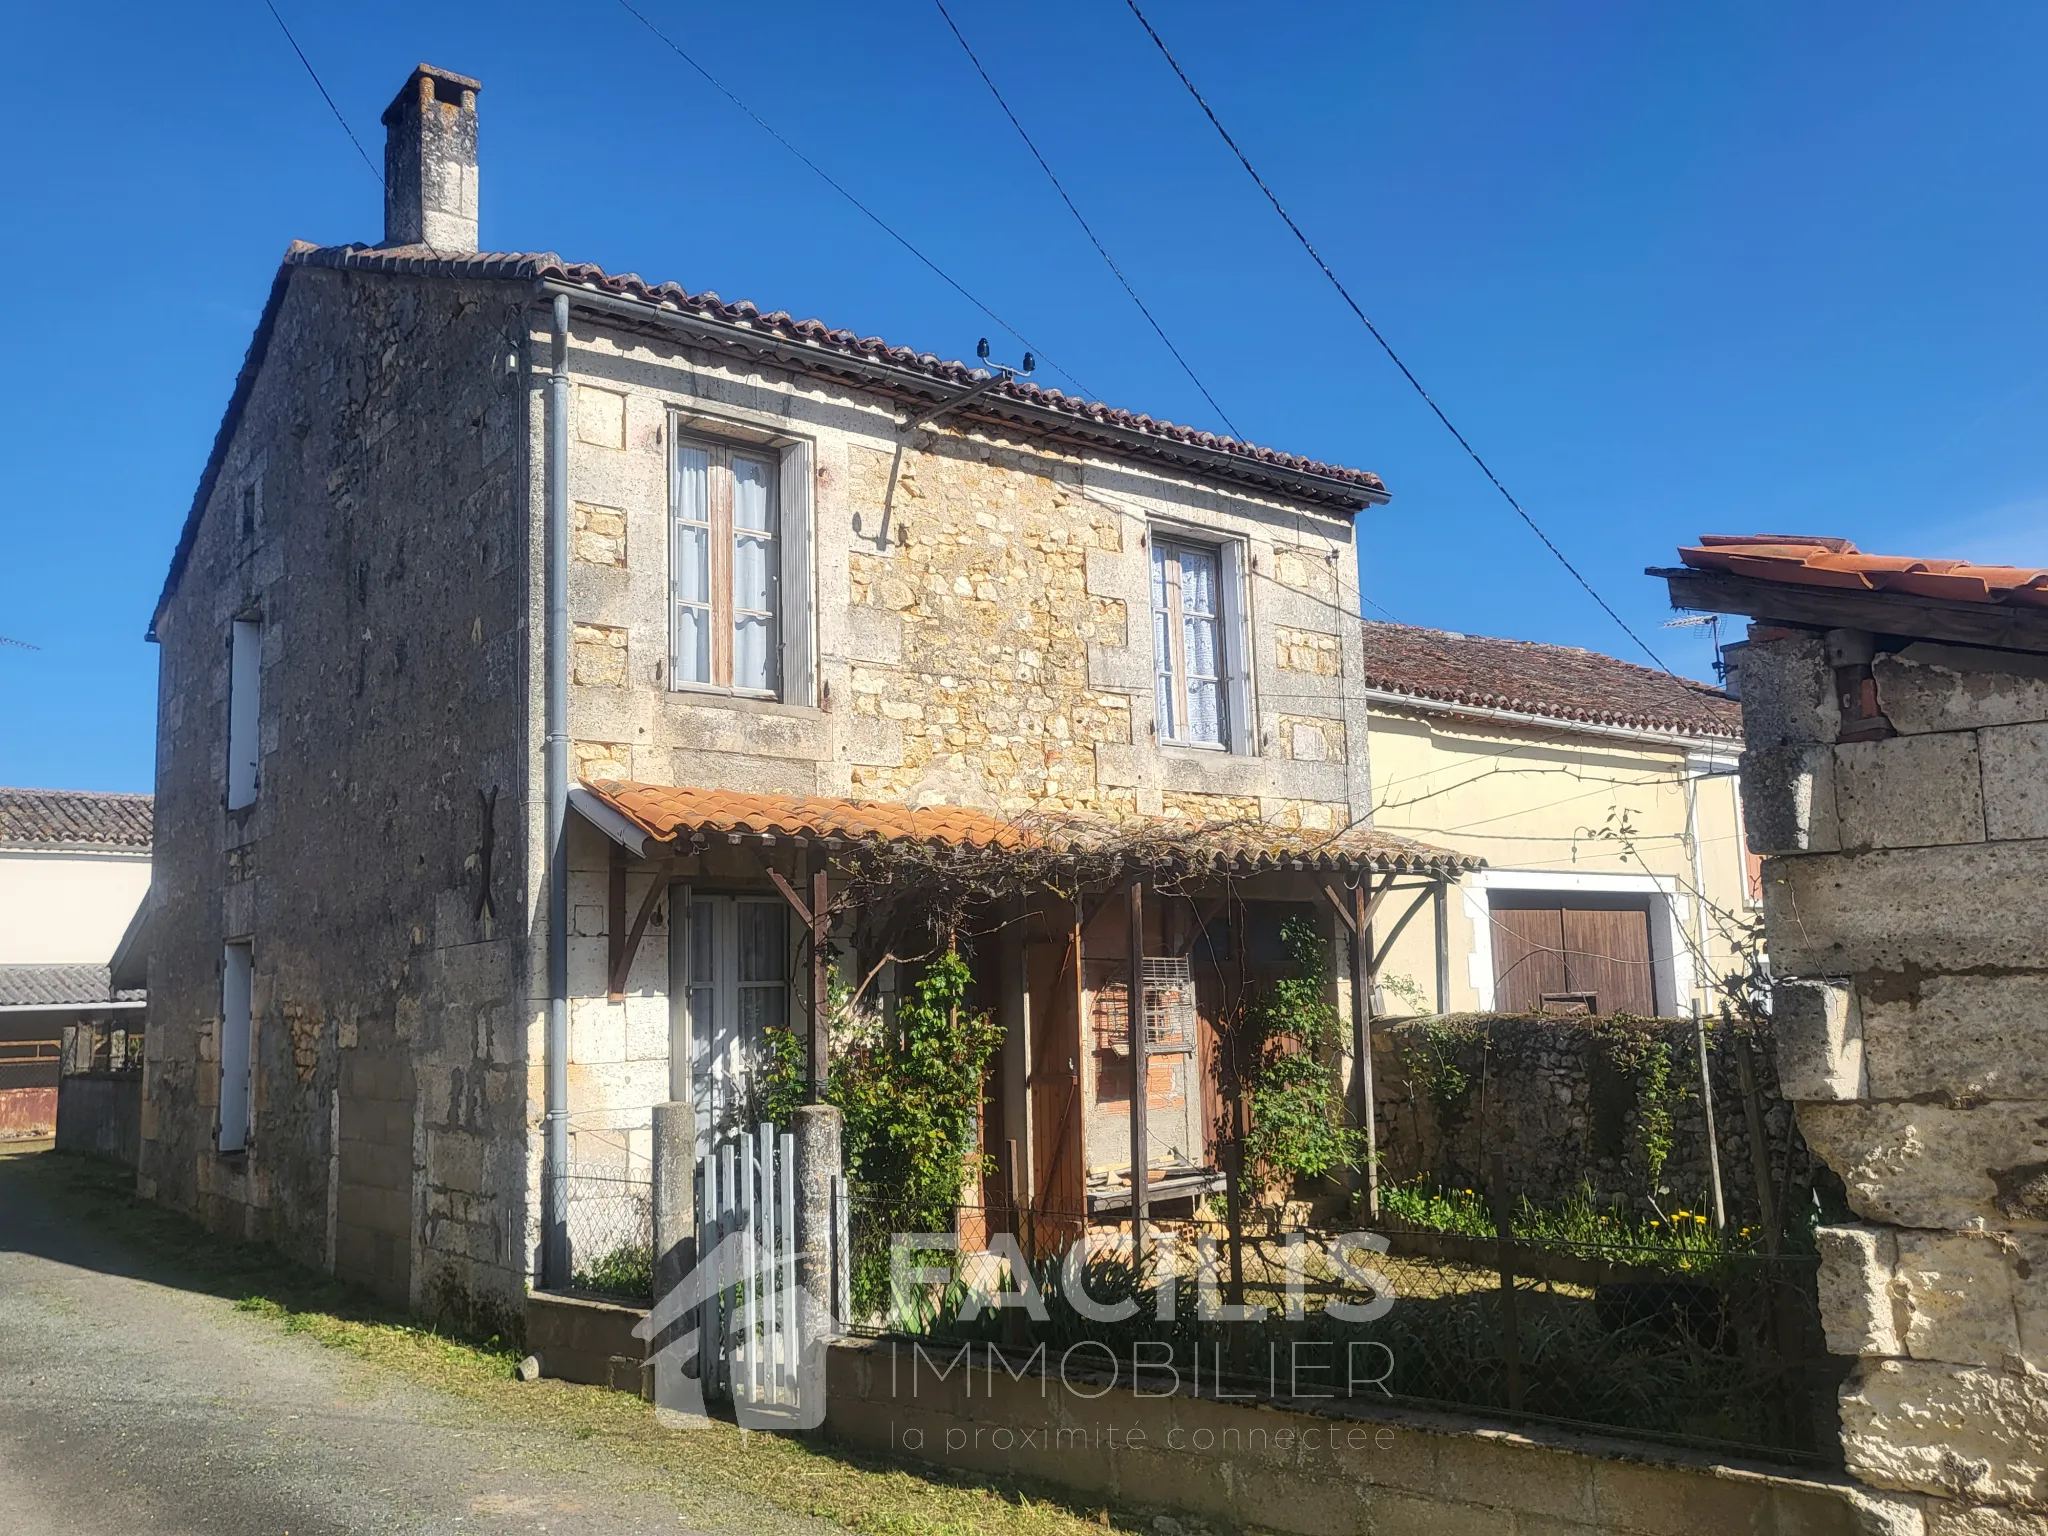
(371, 510)
(1902, 894)
(1548, 1096)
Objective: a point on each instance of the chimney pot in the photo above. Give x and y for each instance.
(430, 169)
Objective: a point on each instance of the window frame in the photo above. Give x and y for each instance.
(721, 536)
(1233, 675)
(709, 1027)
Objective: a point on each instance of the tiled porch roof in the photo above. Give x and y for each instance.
(1814, 561)
(689, 815)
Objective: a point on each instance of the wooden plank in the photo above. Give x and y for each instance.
(1608, 955)
(1528, 957)
(1884, 613)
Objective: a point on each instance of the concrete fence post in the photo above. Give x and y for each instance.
(817, 1130)
(675, 1194)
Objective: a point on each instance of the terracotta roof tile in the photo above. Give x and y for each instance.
(670, 812)
(1810, 561)
(71, 818)
(1559, 682)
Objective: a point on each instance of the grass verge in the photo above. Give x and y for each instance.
(802, 1477)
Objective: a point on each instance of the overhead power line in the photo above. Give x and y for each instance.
(1185, 366)
(819, 171)
(315, 74)
(1345, 294)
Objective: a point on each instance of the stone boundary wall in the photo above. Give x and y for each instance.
(1289, 1468)
(1544, 1093)
(1901, 798)
(100, 1114)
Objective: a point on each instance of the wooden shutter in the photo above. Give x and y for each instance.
(1238, 734)
(1528, 957)
(1607, 954)
(799, 595)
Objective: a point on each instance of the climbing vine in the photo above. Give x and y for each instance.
(1432, 1055)
(1647, 1061)
(1298, 1125)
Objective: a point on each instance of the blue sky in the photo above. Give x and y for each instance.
(1673, 269)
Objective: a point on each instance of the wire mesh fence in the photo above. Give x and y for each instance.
(611, 1233)
(1716, 1349)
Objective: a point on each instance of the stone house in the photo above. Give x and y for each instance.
(1603, 798)
(542, 645)
(74, 869)
(1896, 714)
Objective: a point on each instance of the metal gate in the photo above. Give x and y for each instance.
(752, 1327)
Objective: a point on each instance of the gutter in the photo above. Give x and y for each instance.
(1635, 733)
(1327, 494)
(555, 756)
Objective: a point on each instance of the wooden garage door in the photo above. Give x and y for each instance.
(1601, 954)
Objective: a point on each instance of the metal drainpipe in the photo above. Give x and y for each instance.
(1704, 982)
(555, 1232)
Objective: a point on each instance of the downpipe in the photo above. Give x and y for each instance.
(555, 1229)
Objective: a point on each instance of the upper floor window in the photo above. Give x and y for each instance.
(245, 671)
(740, 576)
(728, 576)
(1198, 645)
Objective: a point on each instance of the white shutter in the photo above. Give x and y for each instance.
(237, 1064)
(799, 594)
(1239, 730)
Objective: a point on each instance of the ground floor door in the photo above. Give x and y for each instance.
(736, 982)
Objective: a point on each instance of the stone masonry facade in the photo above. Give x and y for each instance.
(1902, 894)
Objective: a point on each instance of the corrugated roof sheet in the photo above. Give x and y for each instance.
(57, 986)
(73, 818)
(1560, 682)
(1810, 560)
(683, 813)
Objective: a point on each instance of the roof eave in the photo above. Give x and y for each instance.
(1660, 735)
(1328, 494)
(1997, 625)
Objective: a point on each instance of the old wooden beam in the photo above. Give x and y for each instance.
(1141, 1136)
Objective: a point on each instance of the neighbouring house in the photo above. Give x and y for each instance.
(559, 667)
(1896, 777)
(1603, 798)
(74, 868)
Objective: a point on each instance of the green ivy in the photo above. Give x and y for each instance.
(910, 1094)
(1298, 1126)
(1647, 1060)
(1433, 1056)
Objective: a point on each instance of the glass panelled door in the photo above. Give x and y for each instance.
(736, 980)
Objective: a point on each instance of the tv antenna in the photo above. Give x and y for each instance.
(999, 374)
(1712, 622)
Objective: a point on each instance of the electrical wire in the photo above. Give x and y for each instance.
(1109, 261)
(1385, 347)
(324, 96)
(875, 218)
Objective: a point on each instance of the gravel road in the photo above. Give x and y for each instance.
(130, 1405)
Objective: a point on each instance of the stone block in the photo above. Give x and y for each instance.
(1788, 693)
(1928, 687)
(1788, 799)
(1819, 1028)
(1120, 669)
(2030, 1295)
(1939, 909)
(874, 635)
(1545, 1482)
(1983, 1520)
(1953, 1430)
(1930, 1165)
(1909, 791)
(2015, 761)
(1955, 1037)
(1872, 1514)
(1956, 1291)
(597, 1031)
(600, 417)
(1856, 1304)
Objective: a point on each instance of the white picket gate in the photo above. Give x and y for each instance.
(752, 1329)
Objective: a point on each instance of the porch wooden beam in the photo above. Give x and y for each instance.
(820, 919)
(1386, 947)
(796, 902)
(1362, 908)
(616, 953)
(1141, 1085)
(622, 954)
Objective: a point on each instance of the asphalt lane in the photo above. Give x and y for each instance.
(130, 1405)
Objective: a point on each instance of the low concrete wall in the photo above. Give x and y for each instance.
(579, 1339)
(100, 1113)
(1294, 1469)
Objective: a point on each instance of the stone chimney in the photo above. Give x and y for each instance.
(430, 162)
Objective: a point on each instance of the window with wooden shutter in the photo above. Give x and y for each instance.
(726, 568)
(1202, 695)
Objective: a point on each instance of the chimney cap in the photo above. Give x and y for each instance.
(448, 88)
